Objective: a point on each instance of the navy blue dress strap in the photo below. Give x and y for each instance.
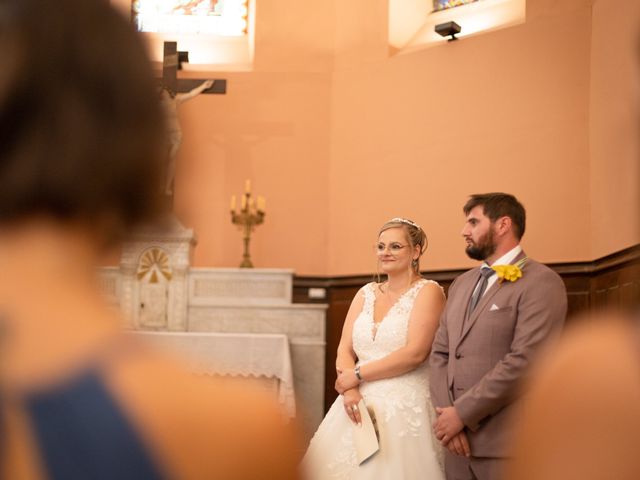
(82, 433)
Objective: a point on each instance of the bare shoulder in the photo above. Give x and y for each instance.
(431, 285)
(369, 287)
(204, 427)
(430, 296)
(431, 289)
(358, 299)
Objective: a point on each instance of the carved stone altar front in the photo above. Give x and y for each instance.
(153, 274)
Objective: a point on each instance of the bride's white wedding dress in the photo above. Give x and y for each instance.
(402, 406)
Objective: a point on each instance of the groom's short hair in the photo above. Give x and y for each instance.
(497, 205)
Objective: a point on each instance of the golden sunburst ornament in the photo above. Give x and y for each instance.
(154, 263)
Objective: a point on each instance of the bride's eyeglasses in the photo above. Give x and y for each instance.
(394, 248)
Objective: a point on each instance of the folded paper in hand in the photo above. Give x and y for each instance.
(365, 438)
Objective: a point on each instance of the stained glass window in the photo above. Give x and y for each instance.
(217, 17)
(444, 4)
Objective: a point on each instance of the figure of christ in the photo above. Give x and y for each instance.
(170, 103)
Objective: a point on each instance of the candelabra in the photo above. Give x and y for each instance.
(247, 218)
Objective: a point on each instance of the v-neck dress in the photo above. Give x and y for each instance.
(402, 407)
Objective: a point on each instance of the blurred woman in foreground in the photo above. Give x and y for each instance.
(81, 151)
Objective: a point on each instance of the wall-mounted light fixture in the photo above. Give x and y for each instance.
(448, 29)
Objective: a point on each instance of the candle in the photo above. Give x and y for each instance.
(247, 186)
(233, 203)
(244, 202)
(260, 204)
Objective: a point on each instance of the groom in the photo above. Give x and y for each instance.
(494, 323)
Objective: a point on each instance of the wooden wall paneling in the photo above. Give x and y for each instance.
(616, 280)
(339, 306)
(577, 281)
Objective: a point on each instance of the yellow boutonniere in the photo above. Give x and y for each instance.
(509, 272)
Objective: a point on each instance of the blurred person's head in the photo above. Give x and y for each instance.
(586, 390)
(80, 123)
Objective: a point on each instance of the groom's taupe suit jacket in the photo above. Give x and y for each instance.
(477, 362)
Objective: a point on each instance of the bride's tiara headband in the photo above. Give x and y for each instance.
(406, 221)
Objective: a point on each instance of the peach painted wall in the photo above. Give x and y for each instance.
(272, 126)
(340, 136)
(415, 134)
(615, 126)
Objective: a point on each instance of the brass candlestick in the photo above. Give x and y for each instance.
(247, 218)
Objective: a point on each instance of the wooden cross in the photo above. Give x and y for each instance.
(170, 80)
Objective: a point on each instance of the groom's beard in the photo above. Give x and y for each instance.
(484, 248)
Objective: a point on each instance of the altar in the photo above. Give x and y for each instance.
(262, 356)
(225, 321)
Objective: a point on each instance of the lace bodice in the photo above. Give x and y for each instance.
(405, 394)
(391, 332)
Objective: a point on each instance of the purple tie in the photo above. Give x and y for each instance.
(485, 273)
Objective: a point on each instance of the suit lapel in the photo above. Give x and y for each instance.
(486, 298)
(480, 308)
(458, 320)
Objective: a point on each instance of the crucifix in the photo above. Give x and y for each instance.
(174, 92)
(172, 59)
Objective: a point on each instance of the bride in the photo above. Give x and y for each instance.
(386, 338)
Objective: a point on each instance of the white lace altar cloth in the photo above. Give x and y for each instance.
(234, 354)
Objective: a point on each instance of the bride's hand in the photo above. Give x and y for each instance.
(351, 398)
(346, 380)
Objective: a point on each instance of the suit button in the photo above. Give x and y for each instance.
(458, 355)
